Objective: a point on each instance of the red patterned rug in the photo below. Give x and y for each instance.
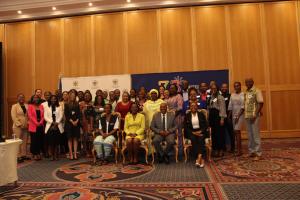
(84, 172)
(48, 191)
(275, 165)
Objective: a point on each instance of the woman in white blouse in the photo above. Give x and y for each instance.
(53, 115)
(196, 130)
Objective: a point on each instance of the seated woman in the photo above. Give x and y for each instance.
(196, 130)
(134, 128)
(108, 125)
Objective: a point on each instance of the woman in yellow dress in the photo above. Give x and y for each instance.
(134, 128)
(151, 106)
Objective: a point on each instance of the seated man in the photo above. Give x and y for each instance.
(164, 127)
(108, 126)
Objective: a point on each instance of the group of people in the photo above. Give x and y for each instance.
(70, 121)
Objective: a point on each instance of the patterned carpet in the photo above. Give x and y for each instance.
(275, 165)
(263, 191)
(147, 192)
(275, 177)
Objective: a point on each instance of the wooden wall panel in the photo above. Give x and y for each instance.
(211, 38)
(143, 45)
(246, 37)
(47, 53)
(282, 39)
(176, 35)
(19, 58)
(78, 46)
(109, 44)
(264, 119)
(3, 80)
(285, 110)
(2, 33)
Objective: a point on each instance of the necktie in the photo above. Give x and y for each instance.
(164, 122)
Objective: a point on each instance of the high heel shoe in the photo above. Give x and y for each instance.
(202, 163)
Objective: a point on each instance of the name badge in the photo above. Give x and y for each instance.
(215, 100)
(226, 99)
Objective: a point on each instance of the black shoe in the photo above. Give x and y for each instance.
(166, 159)
(160, 159)
(20, 160)
(26, 158)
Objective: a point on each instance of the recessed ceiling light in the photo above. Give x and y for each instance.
(168, 2)
(19, 12)
(90, 4)
(53, 8)
(128, 1)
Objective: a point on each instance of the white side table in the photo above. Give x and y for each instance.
(8, 161)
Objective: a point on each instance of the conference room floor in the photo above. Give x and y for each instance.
(275, 176)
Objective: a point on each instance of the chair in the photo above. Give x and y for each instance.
(115, 144)
(145, 144)
(187, 142)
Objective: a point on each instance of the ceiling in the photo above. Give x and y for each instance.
(39, 9)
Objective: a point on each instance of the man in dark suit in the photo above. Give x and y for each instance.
(164, 127)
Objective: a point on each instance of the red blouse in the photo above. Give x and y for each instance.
(123, 109)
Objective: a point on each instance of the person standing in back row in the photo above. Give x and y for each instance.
(253, 105)
(217, 114)
(20, 124)
(36, 126)
(228, 121)
(236, 113)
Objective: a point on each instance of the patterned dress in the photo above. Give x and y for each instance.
(236, 103)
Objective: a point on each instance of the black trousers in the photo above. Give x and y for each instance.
(198, 145)
(170, 139)
(53, 137)
(229, 130)
(64, 143)
(36, 139)
(217, 131)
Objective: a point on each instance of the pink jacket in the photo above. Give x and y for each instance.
(32, 120)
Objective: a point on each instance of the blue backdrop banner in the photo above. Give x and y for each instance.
(154, 80)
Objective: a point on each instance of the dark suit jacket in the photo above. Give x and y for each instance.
(188, 127)
(157, 125)
(71, 112)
